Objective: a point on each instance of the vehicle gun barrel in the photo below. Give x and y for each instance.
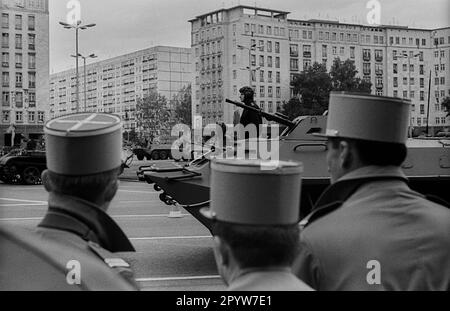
(266, 115)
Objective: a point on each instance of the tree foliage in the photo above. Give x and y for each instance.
(446, 104)
(343, 77)
(183, 106)
(153, 117)
(313, 86)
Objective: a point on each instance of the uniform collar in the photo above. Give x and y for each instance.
(243, 273)
(336, 194)
(87, 220)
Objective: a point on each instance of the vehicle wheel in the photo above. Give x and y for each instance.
(163, 155)
(155, 155)
(31, 176)
(140, 157)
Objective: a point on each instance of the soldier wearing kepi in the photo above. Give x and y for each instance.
(255, 214)
(84, 162)
(369, 230)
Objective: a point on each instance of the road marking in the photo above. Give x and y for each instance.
(171, 238)
(29, 204)
(200, 277)
(113, 216)
(135, 191)
(21, 200)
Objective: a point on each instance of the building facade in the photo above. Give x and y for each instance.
(263, 48)
(114, 85)
(24, 69)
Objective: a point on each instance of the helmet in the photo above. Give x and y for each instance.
(248, 92)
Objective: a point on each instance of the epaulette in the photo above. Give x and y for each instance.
(118, 264)
(318, 213)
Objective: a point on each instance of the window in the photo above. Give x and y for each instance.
(269, 46)
(277, 62)
(422, 109)
(5, 59)
(261, 91)
(5, 79)
(269, 76)
(334, 50)
(294, 64)
(395, 82)
(234, 59)
(422, 82)
(269, 61)
(422, 95)
(32, 80)
(234, 74)
(31, 117)
(306, 64)
(5, 99)
(253, 60)
(31, 61)
(269, 30)
(18, 22)
(294, 50)
(352, 52)
(278, 77)
(366, 68)
(19, 100)
(41, 116)
(270, 91)
(395, 68)
(277, 47)
(278, 92)
(261, 76)
(261, 60)
(5, 20)
(18, 42)
(5, 40)
(324, 51)
(31, 22)
(342, 51)
(18, 79)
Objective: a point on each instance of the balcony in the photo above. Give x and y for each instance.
(379, 85)
(18, 65)
(31, 47)
(379, 58)
(366, 57)
(379, 72)
(307, 54)
(5, 64)
(19, 84)
(367, 72)
(294, 53)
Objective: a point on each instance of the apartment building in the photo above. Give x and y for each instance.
(114, 85)
(24, 69)
(263, 48)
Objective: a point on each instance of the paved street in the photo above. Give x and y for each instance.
(171, 254)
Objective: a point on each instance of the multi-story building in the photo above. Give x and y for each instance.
(263, 48)
(24, 69)
(113, 85)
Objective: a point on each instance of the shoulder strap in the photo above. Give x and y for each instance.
(117, 264)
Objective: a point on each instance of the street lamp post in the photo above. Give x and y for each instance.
(250, 49)
(77, 27)
(84, 70)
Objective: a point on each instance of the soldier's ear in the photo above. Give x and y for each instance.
(45, 181)
(110, 192)
(345, 154)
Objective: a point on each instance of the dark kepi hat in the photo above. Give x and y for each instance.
(250, 193)
(367, 117)
(83, 144)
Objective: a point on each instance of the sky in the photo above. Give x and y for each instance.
(127, 26)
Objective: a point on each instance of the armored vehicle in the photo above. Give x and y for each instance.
(427, 167)
(22, 166)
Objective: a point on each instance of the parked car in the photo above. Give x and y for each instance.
(22, 167)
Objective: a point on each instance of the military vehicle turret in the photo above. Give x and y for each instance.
(427, 166)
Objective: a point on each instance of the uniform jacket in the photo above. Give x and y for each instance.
(370, 221)
(250, 117)
(85, 228)
(276, 279)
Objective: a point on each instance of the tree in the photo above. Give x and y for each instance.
(313, 87)
(343, 77)
(183, 106)
(153, 117)
(446, 104)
